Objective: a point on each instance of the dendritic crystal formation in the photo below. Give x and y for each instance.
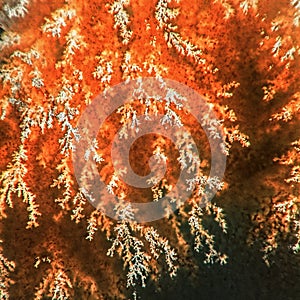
(57, 56)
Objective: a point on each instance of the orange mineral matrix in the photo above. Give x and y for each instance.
(149, 149)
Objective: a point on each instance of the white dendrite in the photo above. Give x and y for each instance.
(37, 81)
(27, 57)
(9, 38)
(130, 70)
(115, 179)
(228, 9)
(59, 20)
(133, 252)
(92, 151)
(56, 285)
(64, 181)
(165, 15)
(121, 19)
(124, 211)
(74, 42)
(13, 182)
(188, 155)
(277, 46)
(104, 69)
(71, 133)
(129, 120)
(16, 9)
(247, 4)
(296, 5)
(32, 117)
(203, 239)
(130, 249)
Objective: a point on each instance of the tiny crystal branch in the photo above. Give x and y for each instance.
(165, 15)
(121, 19)
(64, 180)
(19, 8)
(136, 260)
(56, 284)
(13, 182)
(203, 238)
(59, 19)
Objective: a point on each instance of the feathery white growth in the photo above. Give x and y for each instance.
(225, 92)
(65, 94)
(173, 97)
(92, 226)
(296, 246)
(61, 286)
(295, 172)
(103, 73)
(164, 15)
(135, 259)
(203, 240)
(289, 54)
(27, 57)
(17, 10)
(104, 69)
(79, 202)
(215, 183)
(289, 111)
(121, 19)
(187, 156)
(159, 246)
(124, 210)
(213, 129)
(228, 9)
(37, 80)
(289, 207)
(212, 125)
(50, 116)
(97, 219)
(92, 150)
(64, 179)
(59, 19)
(56, 285)
(138, 266)
(74, 42)
(233, 134)
(170, 117)
(31, 117)
(150, 65)
(13, 77)
(296, 5)
(130, 70)
(113, 183)
(277, 46)
(159, 155)
(4, 103)
(71, 133)
(269, 92)
(197, 182)
(129, 120)
(13, 182)
(130, 249)
(247, 4)
(9, 38)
